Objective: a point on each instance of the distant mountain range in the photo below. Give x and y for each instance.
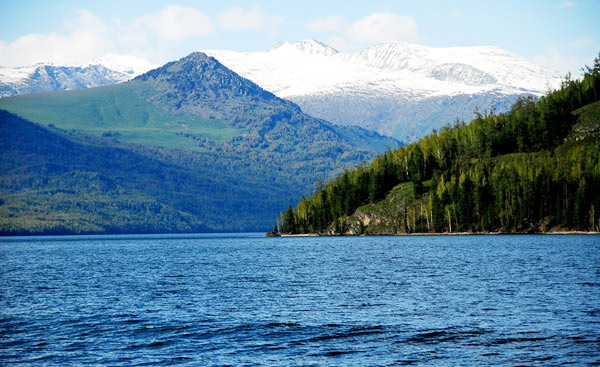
(46, 77)
(395, 88)
(189, 146)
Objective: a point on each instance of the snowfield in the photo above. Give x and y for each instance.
(395, 88)
(398, 89)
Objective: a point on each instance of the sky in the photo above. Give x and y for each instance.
(563, 35)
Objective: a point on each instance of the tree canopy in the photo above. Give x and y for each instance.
(534, 167)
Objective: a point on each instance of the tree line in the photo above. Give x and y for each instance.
(515, 171)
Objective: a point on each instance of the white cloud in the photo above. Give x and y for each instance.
(84, 37)
(152, 36)
(238, 19)
(384, 27)
(566, 4)
(331, 23)
(554, 59)
(372, 29)
(584, 42)
(172, 24)
(456, 13)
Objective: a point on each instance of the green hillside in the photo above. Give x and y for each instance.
(197, 103)
(190, 146)
(118, 111)
(534, 168)
(52, 182)
(588, 122)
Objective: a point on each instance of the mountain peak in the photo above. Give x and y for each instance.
(315, 47)
(310, 46)
(396, 88)
(276, 45)
(192, 67)
(48, 76)
(197, 57)
(201, 85)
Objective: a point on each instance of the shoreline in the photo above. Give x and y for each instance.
(443, 234)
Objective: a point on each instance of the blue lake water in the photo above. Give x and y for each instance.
(246, 300)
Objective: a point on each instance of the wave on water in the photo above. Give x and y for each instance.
(379, 301)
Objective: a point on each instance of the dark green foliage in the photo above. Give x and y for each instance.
(289, 224)
(53, 182)
(530, 169)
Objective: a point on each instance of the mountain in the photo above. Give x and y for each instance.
(105, 70)
(191, 145)
(395, 88)
(125, 64)
(535, 168)
(56, 182)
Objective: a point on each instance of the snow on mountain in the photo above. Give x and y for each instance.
(46, 77)
(126, 64)
(314, 47)
(495, 65)
(396, 88)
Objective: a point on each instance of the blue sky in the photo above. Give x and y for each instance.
(563, 35)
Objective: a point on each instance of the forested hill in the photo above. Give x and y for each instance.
(54, 182)
(190, 146)
(534, 168)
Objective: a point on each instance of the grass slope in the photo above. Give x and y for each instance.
(121, 112)
(588, 122)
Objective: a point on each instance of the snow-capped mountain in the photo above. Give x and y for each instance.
(396, 88)
(125, 64)
(46, 77)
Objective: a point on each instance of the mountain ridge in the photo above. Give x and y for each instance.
(49, 77)
(395, 88)
(414, 88)
(245, 151)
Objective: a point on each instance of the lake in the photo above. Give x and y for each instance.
(246, 300)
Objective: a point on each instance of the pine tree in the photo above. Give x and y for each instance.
(289, 223)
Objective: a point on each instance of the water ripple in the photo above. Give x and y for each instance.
(248, 301)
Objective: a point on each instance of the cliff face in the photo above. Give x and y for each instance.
(397, 213)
